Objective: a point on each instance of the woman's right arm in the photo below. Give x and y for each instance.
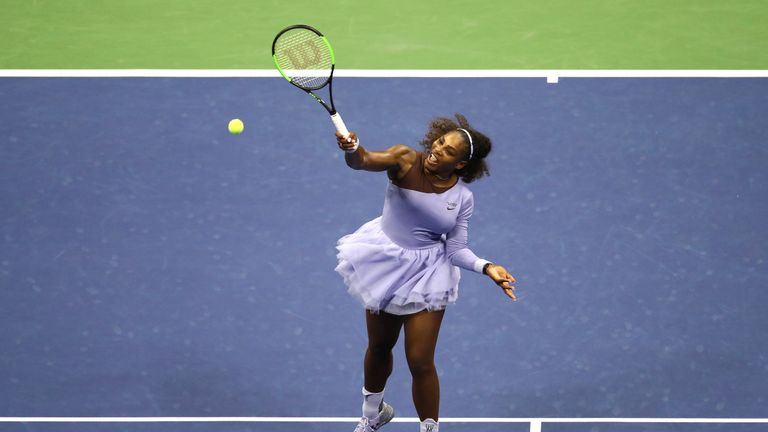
(392, 159)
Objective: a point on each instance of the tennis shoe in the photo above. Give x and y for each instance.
(386, 414)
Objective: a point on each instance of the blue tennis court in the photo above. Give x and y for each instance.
(153, 265)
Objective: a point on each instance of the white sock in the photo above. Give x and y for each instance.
(429, 425)
(371, 403)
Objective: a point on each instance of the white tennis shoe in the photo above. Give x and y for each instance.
(386, 414)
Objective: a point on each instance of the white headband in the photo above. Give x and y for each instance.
(471, 146)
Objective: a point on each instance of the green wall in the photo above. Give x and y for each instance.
(394, 34)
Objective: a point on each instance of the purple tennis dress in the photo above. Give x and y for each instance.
(405, 261)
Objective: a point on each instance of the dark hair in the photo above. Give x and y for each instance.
(476, 167)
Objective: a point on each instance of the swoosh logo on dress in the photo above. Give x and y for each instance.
(452, 205)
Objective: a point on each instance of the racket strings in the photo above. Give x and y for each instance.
(304, 57)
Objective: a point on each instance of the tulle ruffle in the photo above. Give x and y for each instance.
(385, 276)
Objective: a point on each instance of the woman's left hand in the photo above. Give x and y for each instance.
(503, 279)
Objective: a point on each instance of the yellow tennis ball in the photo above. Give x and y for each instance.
(236, 126)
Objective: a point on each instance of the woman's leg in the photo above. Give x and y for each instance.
(383, 331)
(421, 331)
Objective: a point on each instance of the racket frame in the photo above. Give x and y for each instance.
(329, 82)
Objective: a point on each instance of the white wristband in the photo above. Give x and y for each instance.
(479, 264)
(354, 149)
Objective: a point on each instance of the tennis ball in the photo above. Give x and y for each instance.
(236, 126)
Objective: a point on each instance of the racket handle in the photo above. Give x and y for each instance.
(339, 123)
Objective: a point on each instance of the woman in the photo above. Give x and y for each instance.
(403, 265)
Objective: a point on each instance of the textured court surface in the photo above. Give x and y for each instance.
(154, 265)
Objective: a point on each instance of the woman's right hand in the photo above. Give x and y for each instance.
(346, 143)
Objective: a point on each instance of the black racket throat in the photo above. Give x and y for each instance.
(330, 108)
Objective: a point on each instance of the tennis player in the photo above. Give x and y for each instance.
(404, 265)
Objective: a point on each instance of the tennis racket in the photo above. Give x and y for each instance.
(305, 58)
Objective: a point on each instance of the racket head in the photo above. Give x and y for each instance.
(304, 57)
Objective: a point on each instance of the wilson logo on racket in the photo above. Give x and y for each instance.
(305, 55)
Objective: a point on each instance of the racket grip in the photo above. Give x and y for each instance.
(339, 123)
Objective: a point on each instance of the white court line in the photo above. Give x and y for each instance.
(550, 75)
(535, 423)
(355, 419)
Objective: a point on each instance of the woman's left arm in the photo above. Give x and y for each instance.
(458, 252)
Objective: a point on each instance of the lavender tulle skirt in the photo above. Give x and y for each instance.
(385, 276)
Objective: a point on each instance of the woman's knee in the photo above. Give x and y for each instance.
(420, 363)
(380, 350)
